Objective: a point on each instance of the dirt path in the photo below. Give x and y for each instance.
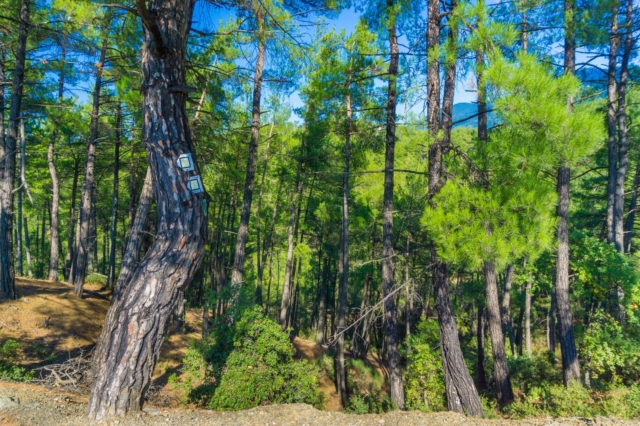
(33, 405)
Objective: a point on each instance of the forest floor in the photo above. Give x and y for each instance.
(52, 325)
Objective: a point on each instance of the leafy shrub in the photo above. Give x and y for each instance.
(8, 369)
(424, 380)
(532, 371)
(250, 364)
(612, 355)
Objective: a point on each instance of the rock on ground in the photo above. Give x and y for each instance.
(31, 405)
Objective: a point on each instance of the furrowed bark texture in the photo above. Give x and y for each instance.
(245, 214)
(462, 395)
(81, 254)
(500, 368)
(570, 364)
(390, 313)
(8, 154)
(135, 324)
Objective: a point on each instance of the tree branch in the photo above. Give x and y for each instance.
(151, 25)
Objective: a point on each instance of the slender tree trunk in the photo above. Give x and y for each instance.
(19, 245)
(136, 321)
(83, 248)
(527, 315)
(551, 320)
(505, 309)
(611, 117)
(7, 277)
(344, 259)
(482, 377)
(286, 288)
(132, 187)
(261, 256)
(322, 304)
(131, 253)
(500, 368)
(390, 314)
(27, 246)
(570, 364)
(114, 203)
(72, 222)
(55, 185)
(245, 214)
(631, 217)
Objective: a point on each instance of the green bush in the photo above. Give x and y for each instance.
(424, 380)
(250, 364)
(8, 369)
(531, 371)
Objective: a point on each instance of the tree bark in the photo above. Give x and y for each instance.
(390, 313)
(505, 309)
(322, 303)
(245, 214)
(631, 217)
(611, 119)
(570, 364)
(19, 244)
(136, 321)
(27, 247)
(286, 288)
(527, 315)
(114, 202)
(132, 252)
(7, 277)
(344, 259)
(83, 248)
(72, 222)
(267, 241)
(482, 377)
(500, 368)
(55, 184)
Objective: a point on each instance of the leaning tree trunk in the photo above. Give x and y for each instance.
(131, 253)
(245, 214)
(114, 203)
(390, 313)
(135, 324)
(83, 247)
(611, 120)
(8, 154)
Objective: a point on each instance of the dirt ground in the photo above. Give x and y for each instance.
(37, 406)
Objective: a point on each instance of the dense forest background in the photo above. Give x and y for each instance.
(450, 186)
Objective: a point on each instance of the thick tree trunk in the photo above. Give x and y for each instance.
(390, 313)
(611, 120)
(505, 309)
(55, 184)
(462, 395)
(72, 222)
(245, 214)
(7, 153)
(132, 252)
(570, 364)
(500, 368)
(482, 377)
(114, 204)
(83, 248)
(136, 321)
(344, 260)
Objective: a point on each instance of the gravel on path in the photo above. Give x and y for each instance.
(26, 404)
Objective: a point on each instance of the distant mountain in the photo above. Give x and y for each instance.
(463, 110)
